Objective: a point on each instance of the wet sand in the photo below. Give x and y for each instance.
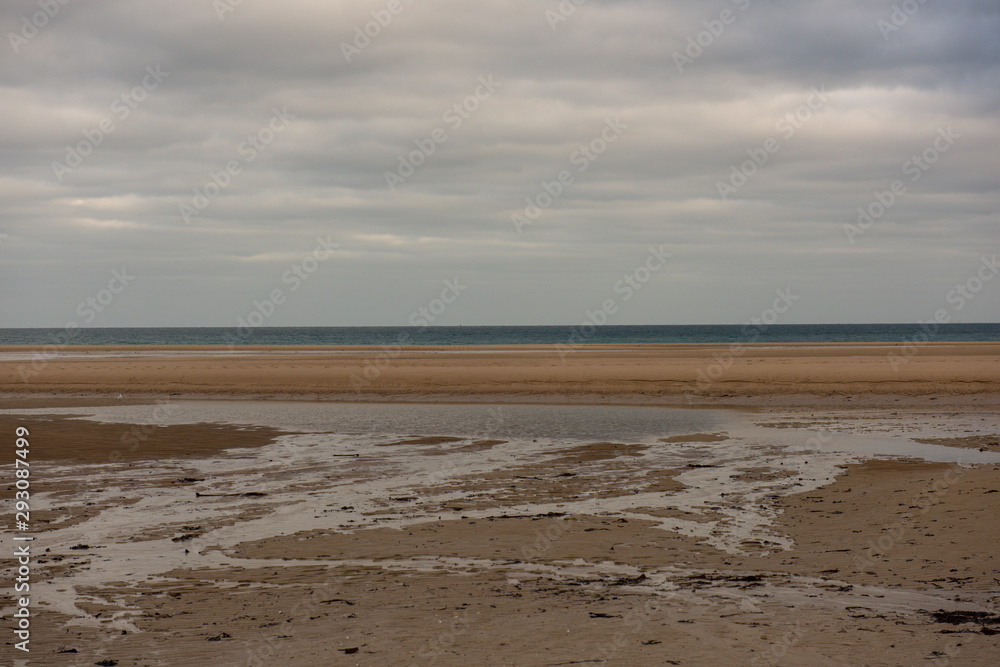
(589, 553)
(68, 440)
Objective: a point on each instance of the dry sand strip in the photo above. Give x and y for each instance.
(509, 371)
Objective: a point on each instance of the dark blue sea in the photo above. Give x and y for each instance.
(494, 335)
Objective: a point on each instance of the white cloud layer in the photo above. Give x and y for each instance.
(206, 144)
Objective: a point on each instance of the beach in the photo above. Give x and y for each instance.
(629, 371)
(560, 334)
(511, 505)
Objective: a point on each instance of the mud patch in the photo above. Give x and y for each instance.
(429, 440)
(696, 437)
(598, 451)
(59, 438)
(984, 443)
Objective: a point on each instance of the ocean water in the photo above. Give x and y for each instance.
(500, 335)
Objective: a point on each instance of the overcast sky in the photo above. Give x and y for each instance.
(116, 115)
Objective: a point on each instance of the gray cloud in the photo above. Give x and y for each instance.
(324, 172)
